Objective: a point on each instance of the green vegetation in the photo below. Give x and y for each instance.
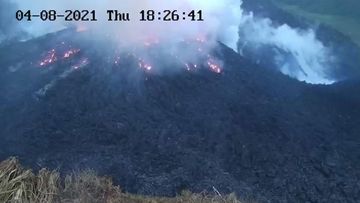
(343, 15)
(21, 185)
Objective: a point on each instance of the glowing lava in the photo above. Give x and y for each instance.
(214, 66)
(70, 53)
(191, 54)
(144, 65)
(49, 58)
(53, 55)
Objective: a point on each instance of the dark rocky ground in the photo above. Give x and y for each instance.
(250, 129)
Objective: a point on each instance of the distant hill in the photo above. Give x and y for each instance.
(342, 15)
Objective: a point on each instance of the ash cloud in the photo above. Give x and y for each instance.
(297, 53)
(221, 19)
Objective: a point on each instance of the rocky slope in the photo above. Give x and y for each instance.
(248, 130)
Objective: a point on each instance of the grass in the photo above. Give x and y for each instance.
(21, 185)
(343, 16)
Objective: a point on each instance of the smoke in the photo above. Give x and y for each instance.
(297, 53)
(9, 28)
(221, 19)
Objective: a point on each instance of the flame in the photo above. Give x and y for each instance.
(196, 46)
(49, 58)
(53, 55)
(70, 53)
(214, 66)
(144, 65)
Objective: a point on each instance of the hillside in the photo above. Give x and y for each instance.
(341, 15)
(244, 129)
(277, 120)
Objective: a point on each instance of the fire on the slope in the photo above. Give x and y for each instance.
(193, 54)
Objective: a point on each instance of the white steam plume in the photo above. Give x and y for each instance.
(221, 19)
(298, 53)
(308, 60)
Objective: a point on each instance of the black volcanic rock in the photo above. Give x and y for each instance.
(248, 130)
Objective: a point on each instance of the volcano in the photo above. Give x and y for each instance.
(236, 126)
